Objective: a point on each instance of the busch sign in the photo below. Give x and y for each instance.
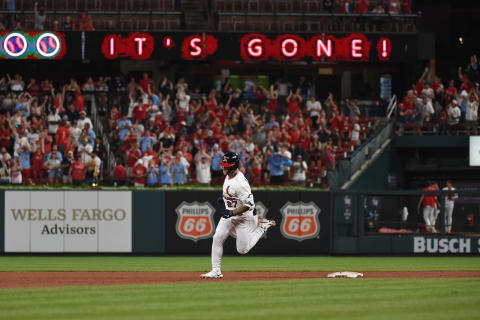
(442, 245)
(195, 220)
(300, 220)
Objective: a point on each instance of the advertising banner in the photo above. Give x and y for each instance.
(68, 221)
(303, 222)
(450, 245)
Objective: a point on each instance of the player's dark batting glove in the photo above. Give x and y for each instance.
(227, 213)
(220, 201)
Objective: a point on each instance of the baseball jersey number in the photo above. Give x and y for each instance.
(232, 203)
(197, 225)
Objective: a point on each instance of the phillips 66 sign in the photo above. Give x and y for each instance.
(300, 220)
(195, 220)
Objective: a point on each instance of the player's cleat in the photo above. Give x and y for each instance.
(214, 274)
(265, 223)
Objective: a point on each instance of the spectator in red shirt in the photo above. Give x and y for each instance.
(188, 156)
(255, 171)
(85, 22)
(407, 6)
(79, 101)
(362, 6)
(294, 100)
(344, 7)
(146, 80)
(429, 205)
(62, 135)
(113, 116)
(451, 91)
(273, 100)
(421, 82)
(394, 7)
(132, 157)
(38, 170)
(437, 83)
(139, 174)
(315, 172)
(140, 111)
(33, 88)
(77, 171)
(120, 174)
(211, 103)
(46, 140)
(466, 83)
(5, 136)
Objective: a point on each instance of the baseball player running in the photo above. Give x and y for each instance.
(449, 203)
(238, 214)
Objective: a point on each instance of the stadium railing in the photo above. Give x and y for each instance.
(92, 5)
(317, 22)
(349, 166)
(122, 20)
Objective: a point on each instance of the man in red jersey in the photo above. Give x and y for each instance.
(139, 174)
(77, 171)
(132, 157)
(120, 174)
(429, 205)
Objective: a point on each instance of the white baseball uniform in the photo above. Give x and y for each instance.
(449, 203)
(236, 192)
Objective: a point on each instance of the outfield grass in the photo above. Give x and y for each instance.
(282, 299)
(238, 263)
(292, 299)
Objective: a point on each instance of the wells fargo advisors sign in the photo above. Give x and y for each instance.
(68, 221)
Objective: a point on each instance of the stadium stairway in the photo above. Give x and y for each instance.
(349, 170)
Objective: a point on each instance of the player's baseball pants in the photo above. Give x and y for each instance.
(248, 234)
(448, 216)
(429, 216)
(436, 212)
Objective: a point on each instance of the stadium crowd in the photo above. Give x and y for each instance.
(46, 136)
(435, 107)
(169, 133)
(173, 134)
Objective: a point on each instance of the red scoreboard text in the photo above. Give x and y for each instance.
(253, 47)
(292, 47)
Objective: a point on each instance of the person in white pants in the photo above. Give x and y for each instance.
(238, 215)
(429, 204)
(450, 199)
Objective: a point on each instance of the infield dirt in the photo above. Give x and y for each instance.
(54, 279)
